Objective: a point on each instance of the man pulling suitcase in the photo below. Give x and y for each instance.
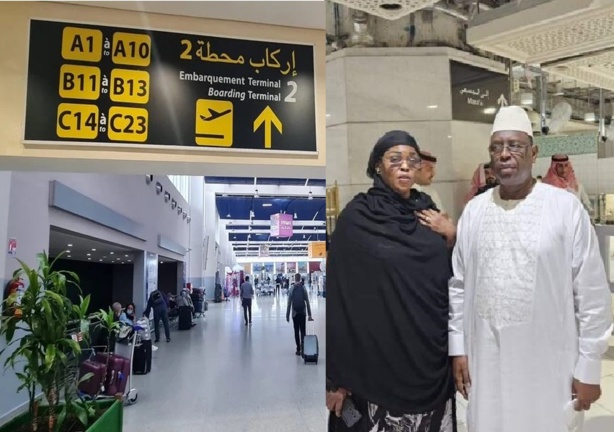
(298, 302)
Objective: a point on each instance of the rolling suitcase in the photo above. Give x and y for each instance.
(311, 350)
(185, 318)
(117, 373)
(141, 362)
(92, 385)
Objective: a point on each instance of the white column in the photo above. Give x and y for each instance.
(195, 259)
(210, 233)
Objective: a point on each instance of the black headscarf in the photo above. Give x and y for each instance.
(387, 299)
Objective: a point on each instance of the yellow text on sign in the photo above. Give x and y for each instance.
(81, 44)
(214, 119)
(128, 124)
(79, 82)
(131, 49)
(77, 121)
(129, 86)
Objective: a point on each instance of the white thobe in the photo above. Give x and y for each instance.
(530, 306)
(433, 194)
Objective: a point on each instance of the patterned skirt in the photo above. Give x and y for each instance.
(378, 419)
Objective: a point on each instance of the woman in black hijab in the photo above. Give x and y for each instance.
(387, 304)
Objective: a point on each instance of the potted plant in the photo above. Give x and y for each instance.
(45, 355)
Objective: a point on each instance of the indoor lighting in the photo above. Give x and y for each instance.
(89, 259)
(189, 219)
(432, 107)
(310, 196)
(100, 260)
(68, 256)
(295, 215)
(179, 210)
(490, 110)
(526, 99)
(129, 260)
(93, 250)
(327, 115)
(69, 245)
(228, 215)
(173, 204)
(159, 188)
(167, 197)
(112, 253)
(148, 178)
(118, 259)
(590, 117)
(67, 251)
(89, 254)
(267, 205)
(256, 194)
(126, 256)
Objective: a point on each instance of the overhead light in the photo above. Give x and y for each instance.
(228, 215)
(256, 194)
(173, 204)
(129, 260)
(184, 215)
(68, 256)
(67, 251)
(450, 136)
(432, 107)
(179, 210)
(590, 117)
(126, 256)
(93, 250)
(69, 245)
(490, 110)
(100, 260)
(123, 262)
(118, 259)
(148, 178)
(112, 253)
(161, 262)
(267, 205)
(189, 219)
(167, 197)
(89, 259)
(295, 215)
(89, 254)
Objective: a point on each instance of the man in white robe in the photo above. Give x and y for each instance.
(530, 307)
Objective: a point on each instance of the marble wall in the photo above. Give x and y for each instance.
(372, 91)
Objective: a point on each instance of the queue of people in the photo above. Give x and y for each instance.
(516, 321)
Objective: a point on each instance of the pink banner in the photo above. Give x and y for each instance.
(281, 225)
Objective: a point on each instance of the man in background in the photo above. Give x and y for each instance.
(561, 174)
(298, 302)
(247, 294)
(424, 178)
(159, 303)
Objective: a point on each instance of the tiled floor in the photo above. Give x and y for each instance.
(224, 377)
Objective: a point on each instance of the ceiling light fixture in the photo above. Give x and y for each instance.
(267, 205)
(167, 197)
(256, 194)
(432, 107)
(189, 219)
(69, 245)
(489, 110)
(89, 254)
(310, 196)
(112, 253)
(148, 178)
(179, 210)
(126, 256)
(590, 117)
(159, 188)
(173, 204)
(93, 250)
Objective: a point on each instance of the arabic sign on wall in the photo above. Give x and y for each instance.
(477, 93)
(98, 84)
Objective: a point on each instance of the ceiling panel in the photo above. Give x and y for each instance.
(247, 218)
(81, 248)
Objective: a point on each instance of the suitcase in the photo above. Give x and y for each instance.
(92, 385)
(185, 318)
(117, 373)
(141, 361)
(311, 350)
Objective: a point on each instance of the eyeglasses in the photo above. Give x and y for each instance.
(515, 147)
(397, 161)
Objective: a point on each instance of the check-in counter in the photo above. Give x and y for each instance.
(605, 236)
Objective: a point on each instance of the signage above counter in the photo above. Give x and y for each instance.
(477, 93)
(92, 84)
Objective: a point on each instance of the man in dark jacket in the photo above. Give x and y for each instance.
(159, 303)
(298, 302)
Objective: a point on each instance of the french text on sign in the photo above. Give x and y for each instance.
(214, 123)
(129, 86)
(81, 44)
(77, 121)
(128, 124)
(131, 49)
(79, 82)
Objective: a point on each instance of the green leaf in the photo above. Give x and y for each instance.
(61, 418)
(81, 414)
(85, 377)
(50, 357)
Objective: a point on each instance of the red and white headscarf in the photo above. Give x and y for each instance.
(478, 180)
(568, 178)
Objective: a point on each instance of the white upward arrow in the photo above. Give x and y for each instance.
(502, 101)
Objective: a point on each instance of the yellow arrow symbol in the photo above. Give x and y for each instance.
(268, 118)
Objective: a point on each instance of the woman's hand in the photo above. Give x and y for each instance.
(334, 400)
(438, 222)
(460, 369)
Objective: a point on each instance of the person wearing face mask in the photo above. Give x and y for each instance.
(131, 312)
(561, 175)
(387, 273)
(530, 305)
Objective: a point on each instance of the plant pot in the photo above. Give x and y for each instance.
(110, 421)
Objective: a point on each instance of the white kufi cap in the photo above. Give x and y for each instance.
(512, 118)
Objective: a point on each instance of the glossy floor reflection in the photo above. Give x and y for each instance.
(223, 376)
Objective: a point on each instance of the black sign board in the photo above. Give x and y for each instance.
(98, 84)
(477, 93)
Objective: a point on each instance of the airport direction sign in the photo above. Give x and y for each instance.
(90, 84)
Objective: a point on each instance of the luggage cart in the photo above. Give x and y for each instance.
(130, 394)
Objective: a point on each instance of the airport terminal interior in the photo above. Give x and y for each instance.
(164, 152)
